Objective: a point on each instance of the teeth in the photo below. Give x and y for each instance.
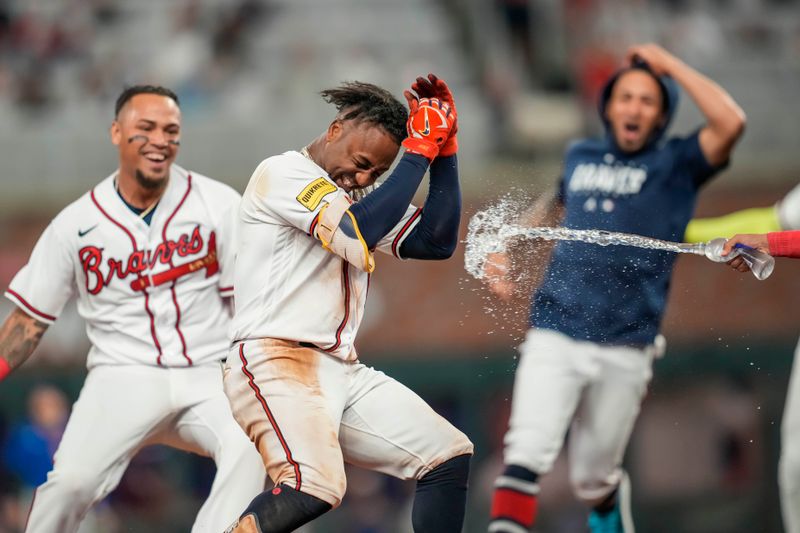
(156, 157)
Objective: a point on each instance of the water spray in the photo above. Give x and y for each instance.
(490, 230)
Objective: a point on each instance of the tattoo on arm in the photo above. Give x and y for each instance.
(19, 336)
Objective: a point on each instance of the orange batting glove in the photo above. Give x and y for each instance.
(430, 122)
(433, 87)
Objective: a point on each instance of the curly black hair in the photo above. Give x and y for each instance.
(130, 92)
(356, 100)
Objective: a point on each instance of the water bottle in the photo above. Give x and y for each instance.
(761, 264)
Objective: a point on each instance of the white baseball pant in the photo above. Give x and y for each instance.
(309, 412)
(789, 467)
(593, 390)
(123, 408)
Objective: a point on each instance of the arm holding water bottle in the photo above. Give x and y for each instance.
(775, 243)
(763, 227)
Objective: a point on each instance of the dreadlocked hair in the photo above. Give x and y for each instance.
(365, 102)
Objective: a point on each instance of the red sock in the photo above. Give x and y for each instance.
(514, 506)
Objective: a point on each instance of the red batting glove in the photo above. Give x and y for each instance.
(433, 87)
(430, 122)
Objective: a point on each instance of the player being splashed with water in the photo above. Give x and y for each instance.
(305, 256)
(586, 362)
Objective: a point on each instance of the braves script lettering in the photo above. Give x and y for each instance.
(92, 260)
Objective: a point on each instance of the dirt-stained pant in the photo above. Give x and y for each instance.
(593, 390)
(123, 408)
(308, 413)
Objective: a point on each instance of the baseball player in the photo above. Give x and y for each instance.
(148, 253)
(586, 362)
(293, 376)
(768, 222)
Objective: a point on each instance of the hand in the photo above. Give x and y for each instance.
(753, 240)
(659, 60)
(496, 273)
(433, 87)
(430, 122)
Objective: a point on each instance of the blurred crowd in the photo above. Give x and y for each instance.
(56, 53)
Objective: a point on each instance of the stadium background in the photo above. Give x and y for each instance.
(703, 457)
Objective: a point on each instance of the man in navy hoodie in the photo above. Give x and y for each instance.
(586, 361)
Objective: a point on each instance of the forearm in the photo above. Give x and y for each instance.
(436, 234)
(722, 113)
(546, 210)
(379, 211)
(19, 336)
(754, 220)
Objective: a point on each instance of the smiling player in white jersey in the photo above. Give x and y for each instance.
(305, 257)
(148, 254)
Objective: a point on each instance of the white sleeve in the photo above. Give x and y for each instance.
(226, 249)
(43, 286)
(391, 242)
(289, 194)
(789, 210)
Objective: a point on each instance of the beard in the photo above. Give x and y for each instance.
(151, 184)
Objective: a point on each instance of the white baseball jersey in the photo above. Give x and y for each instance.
(287, 286)
(789, 210)
(150, 294)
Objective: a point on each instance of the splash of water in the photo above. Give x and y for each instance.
(489, 231)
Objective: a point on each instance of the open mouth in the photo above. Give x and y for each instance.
(155, 157)
(344, 182)
(632, 128)
(631, 132)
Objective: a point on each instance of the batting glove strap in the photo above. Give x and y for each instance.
(426, 149)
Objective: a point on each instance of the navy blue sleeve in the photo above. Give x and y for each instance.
(379, 211)
(436, 234)
(688, 158)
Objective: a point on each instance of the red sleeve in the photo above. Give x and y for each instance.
(784, 243)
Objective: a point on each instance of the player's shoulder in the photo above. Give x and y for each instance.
(291, 164)
(585, 147)
(82, 208)
(680, 141)
(79, 212)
